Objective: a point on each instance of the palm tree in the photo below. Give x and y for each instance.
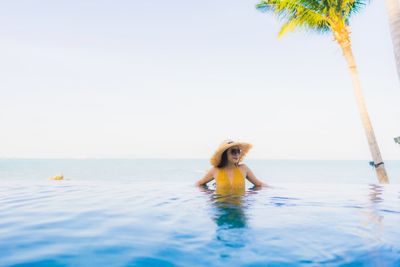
(393, 8)
(330, 16)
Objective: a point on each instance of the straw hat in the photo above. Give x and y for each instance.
(216, 158)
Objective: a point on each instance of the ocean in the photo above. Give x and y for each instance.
(130, 212)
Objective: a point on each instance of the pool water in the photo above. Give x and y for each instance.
(163, 222)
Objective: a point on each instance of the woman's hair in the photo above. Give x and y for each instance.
(224, 159)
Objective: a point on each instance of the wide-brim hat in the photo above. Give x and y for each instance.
(216, 157)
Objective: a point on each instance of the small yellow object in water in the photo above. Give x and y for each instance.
(57, 177)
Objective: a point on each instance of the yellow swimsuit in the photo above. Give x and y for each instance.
(224, 185)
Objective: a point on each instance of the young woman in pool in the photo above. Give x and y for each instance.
(227, 170)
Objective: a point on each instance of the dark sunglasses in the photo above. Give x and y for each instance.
(235, 151)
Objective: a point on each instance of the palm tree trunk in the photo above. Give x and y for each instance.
(393, 8)
(373, 145)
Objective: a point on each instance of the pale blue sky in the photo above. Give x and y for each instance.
(173, 79)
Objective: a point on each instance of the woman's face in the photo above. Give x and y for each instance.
(234, 154)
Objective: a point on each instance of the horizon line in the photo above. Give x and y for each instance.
(165, 158)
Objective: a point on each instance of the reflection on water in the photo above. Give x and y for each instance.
(374, 218)
(375, 193)
(374, 222)
(229, 214)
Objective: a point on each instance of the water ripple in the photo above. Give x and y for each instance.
(131, 224)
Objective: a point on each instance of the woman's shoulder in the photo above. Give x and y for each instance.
(214, 170)
(243, 167)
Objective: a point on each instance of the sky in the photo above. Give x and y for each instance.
(152, 79)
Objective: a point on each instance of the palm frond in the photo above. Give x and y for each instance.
(311, 15)
(351, 7)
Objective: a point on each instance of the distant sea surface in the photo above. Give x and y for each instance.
(188, 171)
(116, 212)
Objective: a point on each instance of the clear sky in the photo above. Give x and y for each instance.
(172, 79)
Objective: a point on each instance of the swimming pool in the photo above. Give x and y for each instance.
(160, 222)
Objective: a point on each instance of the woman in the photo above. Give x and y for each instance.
(227, 172)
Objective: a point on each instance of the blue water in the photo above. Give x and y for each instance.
(148, 213)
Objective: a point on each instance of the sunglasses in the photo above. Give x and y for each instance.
(235, 151)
